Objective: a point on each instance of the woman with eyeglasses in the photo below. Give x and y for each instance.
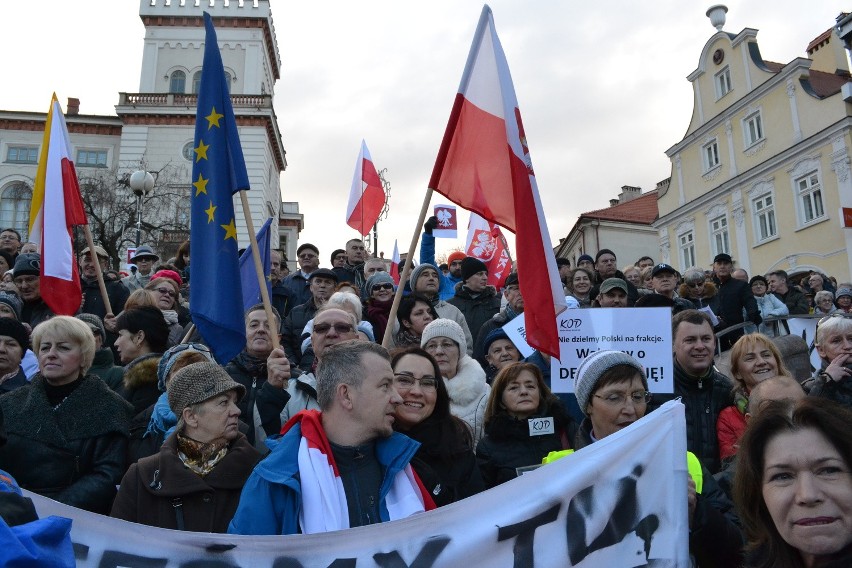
(166, 292)
(701, 292)
(380, 292)
(612, 391)
(444, 340)
(524, 422)
(444, 461)
(769, 304)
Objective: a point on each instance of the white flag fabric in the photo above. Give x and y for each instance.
(620, 502)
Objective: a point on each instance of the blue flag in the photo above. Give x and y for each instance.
(251, 289)
(218, 172)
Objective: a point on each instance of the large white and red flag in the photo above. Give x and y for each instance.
(485, 242)
(367, 197)
(394, 267)
(56, 207)
(484, 165)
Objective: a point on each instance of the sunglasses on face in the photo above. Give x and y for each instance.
(338, 327)
(166, 291)
(386, 286)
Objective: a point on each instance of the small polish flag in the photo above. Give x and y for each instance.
(394, 268)
(367, 197)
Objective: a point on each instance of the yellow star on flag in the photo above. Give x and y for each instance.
(230, 230)
(201, 151)
(213, 119)
(210, 210)
(200, 185)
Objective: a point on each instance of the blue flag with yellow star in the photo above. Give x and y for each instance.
(251, 289)
(218, 172)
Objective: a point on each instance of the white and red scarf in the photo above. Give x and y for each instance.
(324, 505)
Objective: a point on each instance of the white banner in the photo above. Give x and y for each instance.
(620, 502)
(644, 333)
(806, 329)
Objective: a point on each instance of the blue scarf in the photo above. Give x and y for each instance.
(162, 419)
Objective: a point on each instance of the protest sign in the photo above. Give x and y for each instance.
(806, 329)
(618, 502)
(517, 332)
(448, 223)
(643, 333)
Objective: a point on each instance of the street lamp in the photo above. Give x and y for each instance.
(141, 182)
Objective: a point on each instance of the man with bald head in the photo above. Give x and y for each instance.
(776, 389)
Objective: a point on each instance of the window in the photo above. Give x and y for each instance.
(753, 129)
(22, 154)
(719, 239)
(196, 82)
(764, 217)
(810, 197)
(177, 83)
(91, 158)
(710, 155)
(15, 207)
(723, 82)
(687, 249)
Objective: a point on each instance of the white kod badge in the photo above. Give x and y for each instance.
(541, 426)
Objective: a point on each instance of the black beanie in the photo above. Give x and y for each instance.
(13, 328)
(29, 263)
(471, 266)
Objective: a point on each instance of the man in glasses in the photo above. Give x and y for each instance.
(144, 259)
(93, 302)
(321, 283)
(10, 241)
(373, 481)
(308, 257)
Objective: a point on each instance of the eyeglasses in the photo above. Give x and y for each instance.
(406, 382)
(386, 286)
(322, 328)
(619, 398)
(166, 291)
(445, 345)
(307, 256)
(9, 238)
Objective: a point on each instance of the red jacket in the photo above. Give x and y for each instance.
(729, 428)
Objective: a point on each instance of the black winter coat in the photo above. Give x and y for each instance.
(73, 453)
(449, 476)
(476, 310)
(139, 385)
(734, 296)
(704, 398)
(291, 330)
(507, 444)
(156, 484)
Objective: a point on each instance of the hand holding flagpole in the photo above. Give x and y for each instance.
(261, 276)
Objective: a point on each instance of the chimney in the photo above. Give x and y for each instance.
(629, 193)
(613, 202)
(73, 108)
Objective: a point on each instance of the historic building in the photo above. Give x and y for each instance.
(154, 127)
(763, 170)
(624, 227)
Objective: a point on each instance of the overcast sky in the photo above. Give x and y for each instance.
(601, 85)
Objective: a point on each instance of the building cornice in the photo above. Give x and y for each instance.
(761, 171)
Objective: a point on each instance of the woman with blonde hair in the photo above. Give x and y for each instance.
(754, 358)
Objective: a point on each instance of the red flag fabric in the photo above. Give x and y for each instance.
(485, 242)
(394, 267)
(484, 165)
(367, 197)
(61, 209)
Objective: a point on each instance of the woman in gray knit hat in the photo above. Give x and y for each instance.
(195, 480)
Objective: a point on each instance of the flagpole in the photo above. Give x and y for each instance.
(97, 263)
(258, 269)
(508, 253)
(403, 277)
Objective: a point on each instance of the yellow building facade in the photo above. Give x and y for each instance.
(763, 171)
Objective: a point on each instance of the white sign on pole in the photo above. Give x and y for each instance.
(643, 333)
(517, 332)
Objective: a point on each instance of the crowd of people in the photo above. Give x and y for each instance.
(123, 410)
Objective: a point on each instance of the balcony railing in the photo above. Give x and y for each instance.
(191, 101)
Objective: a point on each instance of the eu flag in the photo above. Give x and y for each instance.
(248, 275)
(218, 172)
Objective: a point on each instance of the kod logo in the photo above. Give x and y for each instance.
(570, 323)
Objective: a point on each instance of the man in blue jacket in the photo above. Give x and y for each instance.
(342, 467)
(427, 256)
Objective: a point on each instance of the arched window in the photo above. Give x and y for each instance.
(177, 83)
(15, 207)
(196, 82)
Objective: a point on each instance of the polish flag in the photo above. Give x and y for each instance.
(484, 165)
(367, 197)
(394, 267)
(485, 242)
(56, 207)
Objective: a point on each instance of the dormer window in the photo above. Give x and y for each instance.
(723, 82)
